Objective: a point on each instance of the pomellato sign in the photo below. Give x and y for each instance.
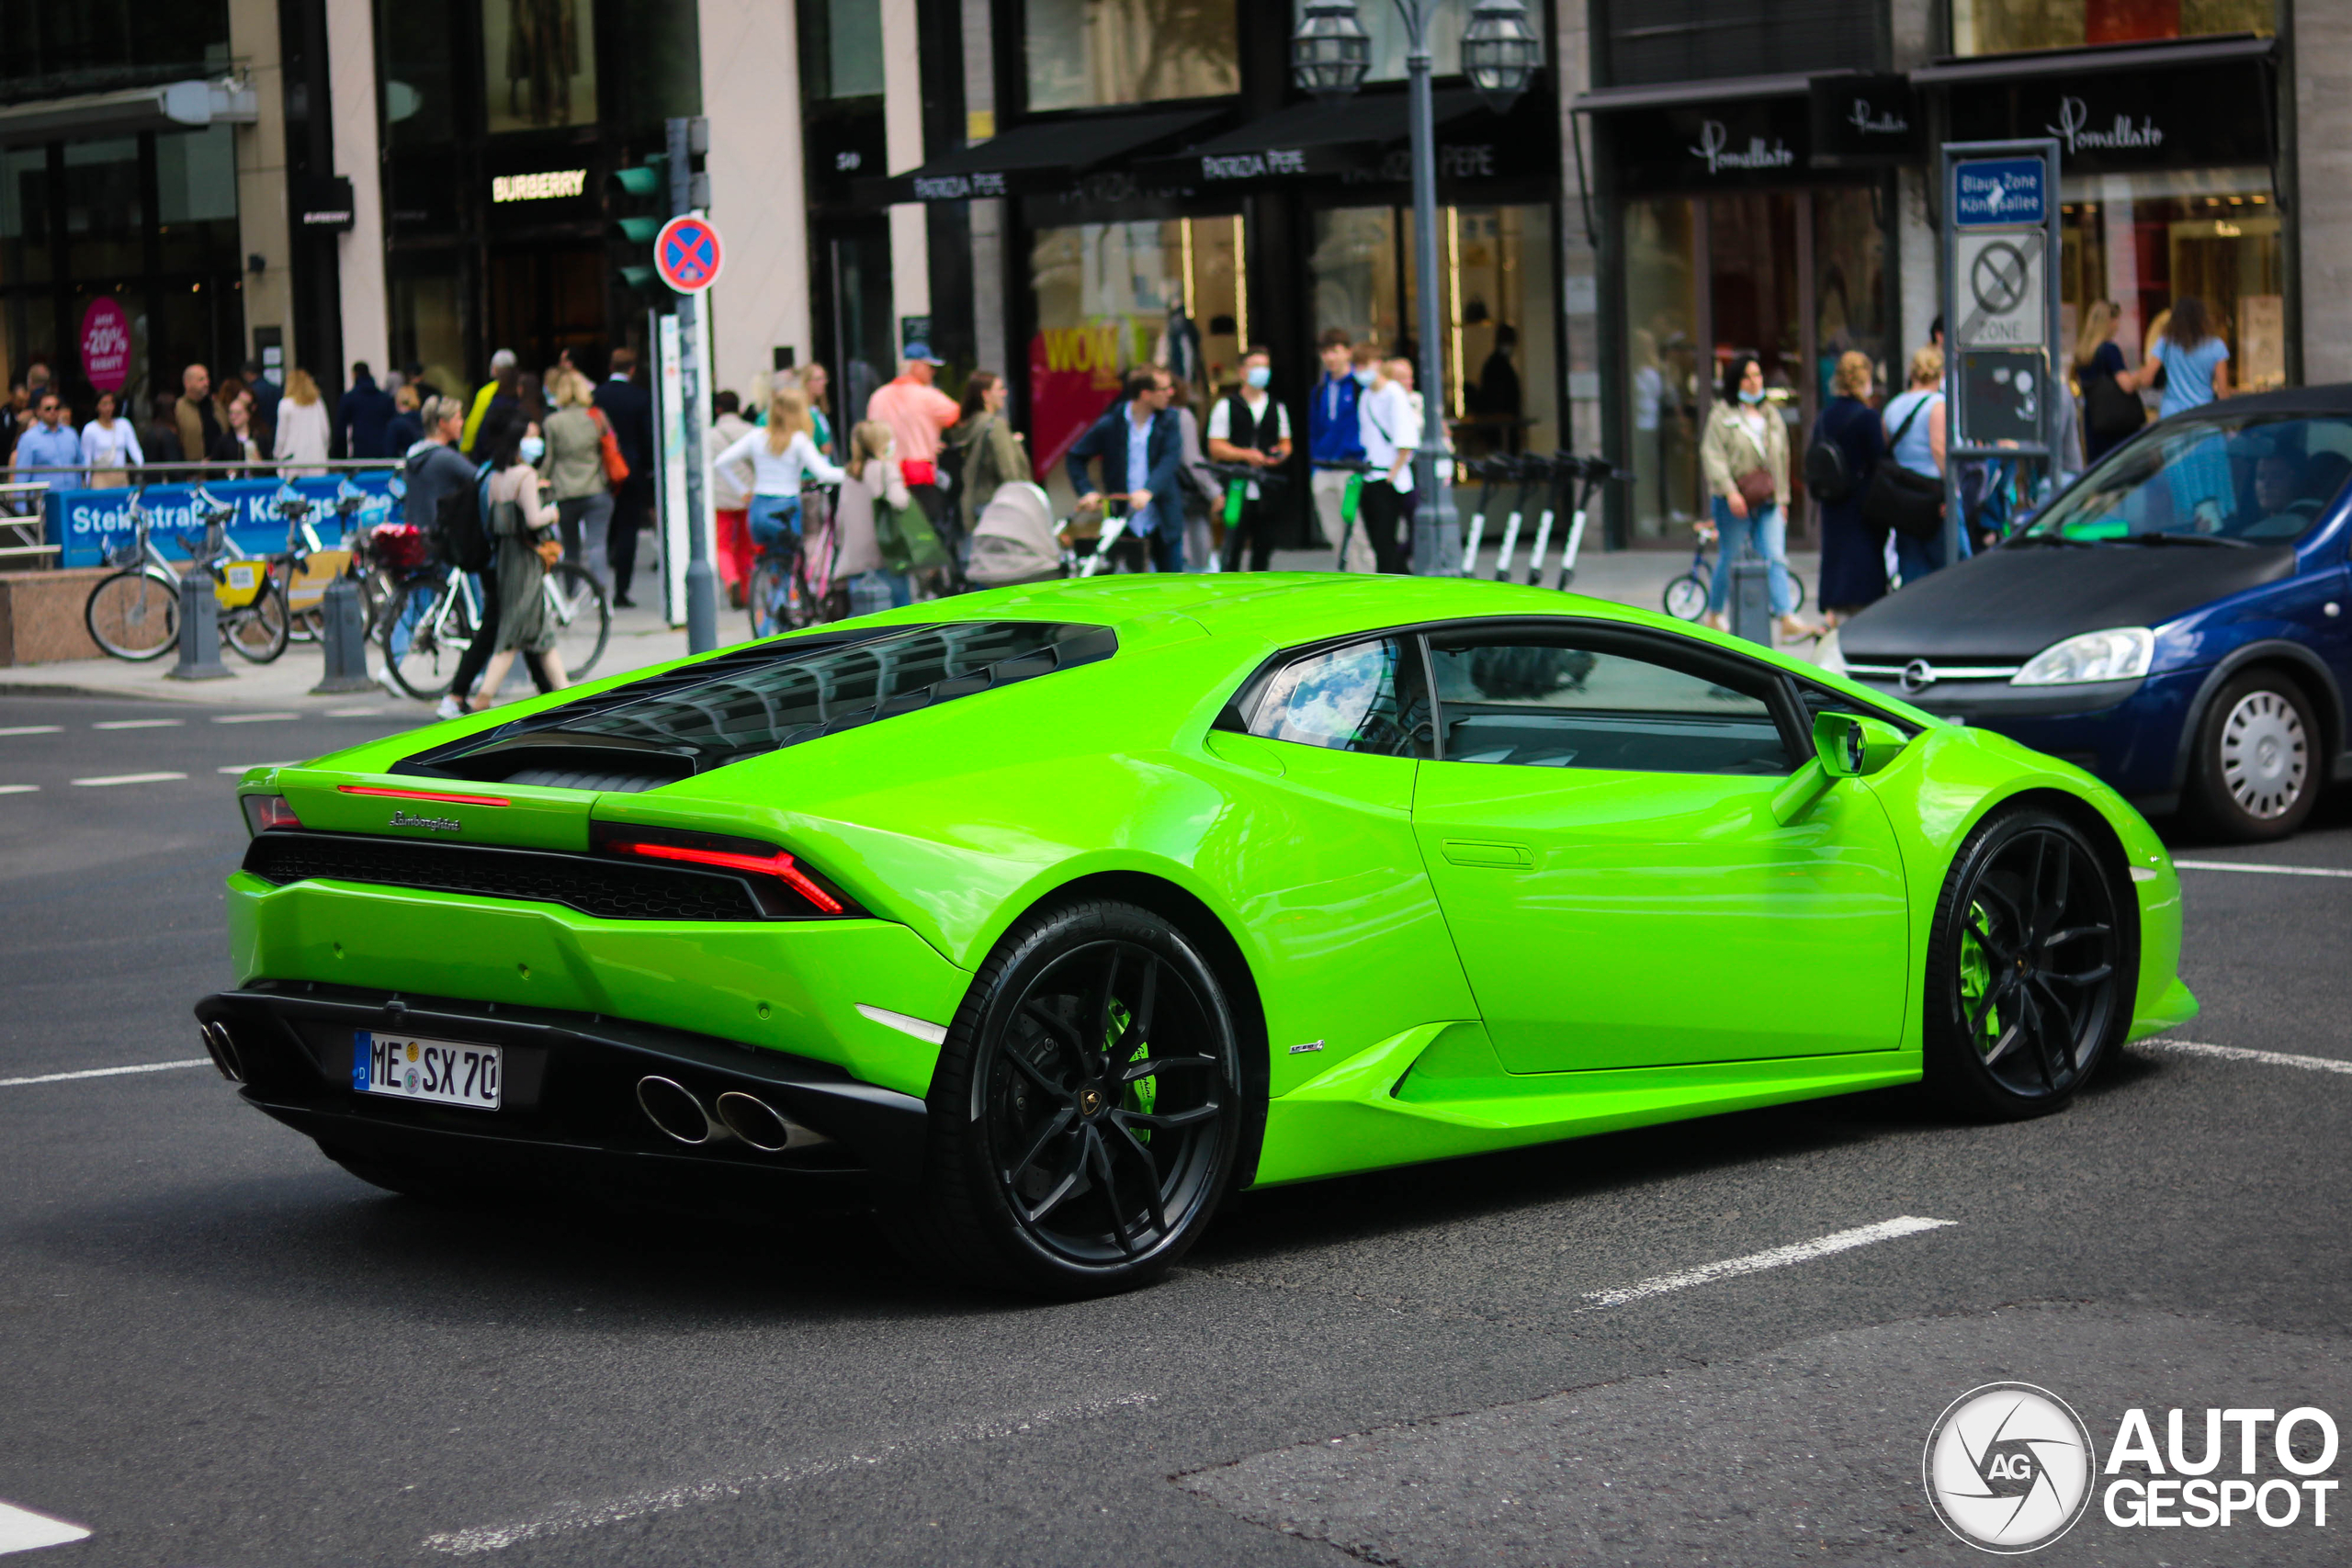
(1715, 150)
(2076, 132)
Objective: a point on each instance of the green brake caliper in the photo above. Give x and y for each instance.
(1143, 1092)
(1976, 979)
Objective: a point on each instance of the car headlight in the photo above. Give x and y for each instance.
(2123, 653)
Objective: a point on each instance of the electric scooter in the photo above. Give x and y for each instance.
(1531, 471)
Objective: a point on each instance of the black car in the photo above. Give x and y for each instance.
(2174, 621)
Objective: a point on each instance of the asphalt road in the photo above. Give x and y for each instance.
(215, 1348)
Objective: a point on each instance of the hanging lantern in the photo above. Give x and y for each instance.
(1330, 52)
(1500, 53)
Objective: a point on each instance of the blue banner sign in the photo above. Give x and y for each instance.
(1999, 192)
(90, 524)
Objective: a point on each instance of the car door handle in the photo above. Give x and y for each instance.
(1480, 852)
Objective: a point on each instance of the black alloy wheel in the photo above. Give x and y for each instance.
(2257, 770)
(2031, 968)
(1087, 1110)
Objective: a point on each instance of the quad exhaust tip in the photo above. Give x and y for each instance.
(673, 1108)
(223, 1052)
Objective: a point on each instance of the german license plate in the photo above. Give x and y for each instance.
(444, 1072)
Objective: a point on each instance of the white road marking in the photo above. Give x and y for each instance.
(2272, 870)
(18, 789)
(565, 1518)
(128, 778)
(1776, 1258)
(107, 1072)
(253, 718)
(357, 713)
(140, 723)
(21, 1530)
(2240, 1053)
(32, 730)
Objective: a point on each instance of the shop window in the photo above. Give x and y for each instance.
(59, 49)
(195, 199)
(2140, 241)
(2001, 27)
(1389, 39)
(1094, 53)
(104, 218)
(1666, 367)
(1111, 296)
(1495, 266)
(841, 49)
(419, 68)
(540, 64)
(24, 215)
(428, 317)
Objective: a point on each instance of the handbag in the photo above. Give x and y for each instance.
(906, 539)
(918, 471)
(1910, 503)
(2109, 413)
(1757, 490)
(550, 551)
(608, 446)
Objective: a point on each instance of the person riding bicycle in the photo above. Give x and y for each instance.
(874, 482)
(778, 459)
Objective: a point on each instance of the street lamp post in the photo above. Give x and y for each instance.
(1330, 54)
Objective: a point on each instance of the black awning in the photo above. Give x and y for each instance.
(1042, 157)
(2103, 58)
(1717, 90)
(1310, 140)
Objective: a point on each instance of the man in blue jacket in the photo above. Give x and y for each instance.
(1141, 446)
(363, 417)
(1333, 433)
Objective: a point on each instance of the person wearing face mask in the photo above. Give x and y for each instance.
(1333, 435)
(527, 531)
(1249, 428)
(1392, 429)
(1746, 455)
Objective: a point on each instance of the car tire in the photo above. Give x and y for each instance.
(2032, 963)
(1054, 1167)
(2258, 770)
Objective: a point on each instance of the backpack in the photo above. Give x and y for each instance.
(1828, 475)
(465, 541)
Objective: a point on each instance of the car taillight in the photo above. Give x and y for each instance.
(774, 873)
(264, 812)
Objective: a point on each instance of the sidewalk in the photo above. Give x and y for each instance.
(640, 639)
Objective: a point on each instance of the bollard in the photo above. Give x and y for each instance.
(199, 631)
(342, 633)
(1752, 599)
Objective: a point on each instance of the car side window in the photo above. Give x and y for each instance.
(1367, 696)
(1572, 700)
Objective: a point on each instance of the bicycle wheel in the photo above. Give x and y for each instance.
(134, 615)
(1796, 593)
(376, 591)
(1686, 597)
(424, 647)
(259, 632)
(584, 619)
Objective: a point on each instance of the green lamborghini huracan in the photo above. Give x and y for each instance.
(1048, 916)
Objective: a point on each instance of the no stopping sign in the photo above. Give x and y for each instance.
(687, 255)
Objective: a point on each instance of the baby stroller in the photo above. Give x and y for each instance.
(1015, 541)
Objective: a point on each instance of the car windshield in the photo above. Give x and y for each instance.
(2259, 480)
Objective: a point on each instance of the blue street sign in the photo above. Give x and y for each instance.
(2007, 192)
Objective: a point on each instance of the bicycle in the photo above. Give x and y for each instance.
(133, 612)
(783, 590)
(307, 565)
(1686, 597)
(434, 613)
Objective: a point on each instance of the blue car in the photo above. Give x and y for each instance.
(2174, 621)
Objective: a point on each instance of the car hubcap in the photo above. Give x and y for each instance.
(1107, 1104)
(2264, 757)
(2037, 963)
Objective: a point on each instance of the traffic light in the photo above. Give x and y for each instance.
(638, 197)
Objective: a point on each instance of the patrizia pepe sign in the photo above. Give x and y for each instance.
(2076, 131)
(1715, 150)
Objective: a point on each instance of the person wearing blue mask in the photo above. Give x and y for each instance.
(1745, 453)
(1248, 426)
(1333, 433)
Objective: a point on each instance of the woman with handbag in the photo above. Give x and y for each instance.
(1915, 440)
(1746, 455)
(574, 466)
(526, 529)
(1853, 548)
(2112, 412)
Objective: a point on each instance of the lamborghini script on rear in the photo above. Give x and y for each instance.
(1049, 915)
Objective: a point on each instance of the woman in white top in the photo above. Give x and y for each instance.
(109, 445)
(301, 423)
(873, 482)
(772, 463)
(1389, 430)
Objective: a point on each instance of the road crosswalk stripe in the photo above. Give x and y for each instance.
(19, 789)
(105, 780)
(32, 730)
(139, 724)
(21, 1530)
(253, 718)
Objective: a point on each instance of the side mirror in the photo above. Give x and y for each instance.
(1853, 746)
